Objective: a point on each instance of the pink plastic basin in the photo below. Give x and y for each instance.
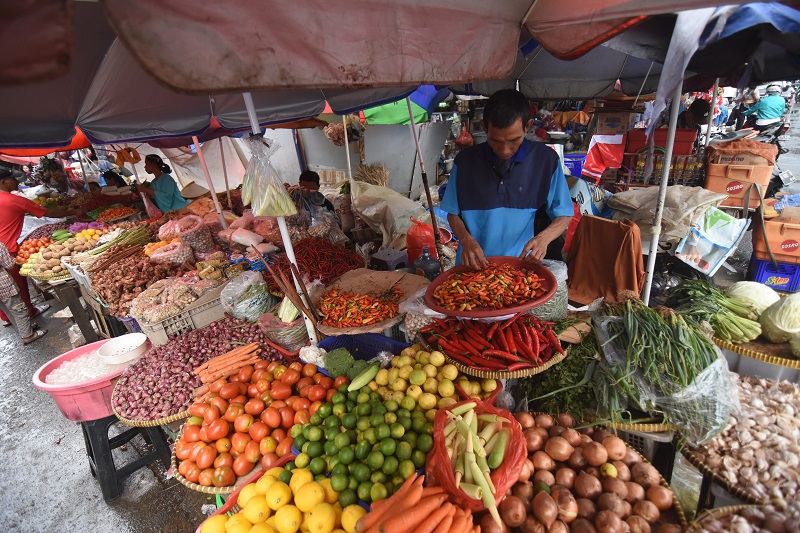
(90, 400)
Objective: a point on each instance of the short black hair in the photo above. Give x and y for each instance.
(309, 175)
(112, 178)
(700, 108)
(505, 107)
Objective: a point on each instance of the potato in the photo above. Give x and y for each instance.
(57, 269)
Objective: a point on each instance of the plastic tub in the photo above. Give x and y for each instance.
(90, 400)
(364, 346)
(124, 349)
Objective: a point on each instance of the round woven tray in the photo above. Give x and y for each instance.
(641, 428)
(117, 219)
(51, 277)
(720, 512)
(146, 423)
(693, 456)
(746, 350)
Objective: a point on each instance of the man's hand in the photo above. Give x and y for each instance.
(535, 249)
(472, 254)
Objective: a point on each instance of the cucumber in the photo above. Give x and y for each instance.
(366, 375)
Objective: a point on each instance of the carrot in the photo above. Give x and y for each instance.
(444, 525)
(431, 491)
(460, 523)
(225, 356)
(377, 511)
(227, 360)
(412, 516)
(228, 370)
(199, 391)
(434, 519)
(399, 507)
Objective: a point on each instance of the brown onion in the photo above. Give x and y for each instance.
(582, 525)
(637, 524)
(488, 525)
(645, 475)
(631, 457)
(586, 508)
(556, 431)
(610, 502)
(545, 509)
(635, 492)
(526, 471)
(525, 420)
(558, 448)
(543, 461)
(585, 439)
(577, 460)
(600, 434)
(530, 525)
(544, 421)
(565, 476)
(623, 472)
(512, 511)
(533, 440)
(566, 420)
(616, 447)
(615, 486)
(587, 486)
(523, 491)
(595, 453)
(647, 510)
(660, 496)
(544, 476)
(567, 506)
(608, 522)
(572, 436)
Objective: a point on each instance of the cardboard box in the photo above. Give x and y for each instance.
(615, 122)
(738, 159)
(783, 235)
(736, 180)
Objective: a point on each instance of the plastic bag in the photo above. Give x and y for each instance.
(150, 207)
(75, 336)
(290, 336)
(417, 313)
(168, 231)
(195, 234)
(246, 237)
(556, 308)
(464, 139)
(262, 188)
(176, 252)
(711, 240)
(439, 468)
(247, 296)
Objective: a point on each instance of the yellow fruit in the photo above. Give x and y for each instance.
(300, 476)
(274, 472)
(288, 519)
(337, 507)
(215, 524)
(489, 385)
(331, 496)
(247, 492)
(351, 515)
(278, 495)
(405, 372)
(237, 524)
(430, 414)
(414, 391)
(382, 377)
(427, 401)
(308, 496)
(262, 528)
(446, 402)
(446, 388)
(256, 510)
(264, 483)
(321, 518)
(449, 372)
(436, 358)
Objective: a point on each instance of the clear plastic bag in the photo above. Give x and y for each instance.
(288, 335)
(176, 252)
(262, 188)
(556, 308)
(247, 296)
(417, 313)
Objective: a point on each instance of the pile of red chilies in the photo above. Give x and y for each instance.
(521, 342)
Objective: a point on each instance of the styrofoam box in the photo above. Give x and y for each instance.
(747, 366)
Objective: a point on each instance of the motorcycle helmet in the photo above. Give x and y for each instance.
(774, 89)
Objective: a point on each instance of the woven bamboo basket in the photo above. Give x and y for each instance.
(742, 349)
(721, 512)
(146, 423)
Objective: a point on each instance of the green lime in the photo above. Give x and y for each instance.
(319, 477)
(324, 410)
(375, 396)
(424, 443)
(363, 491)
(352, 483)
(332, 421)
(389, 418)
(285, 476)
(315, 420)
(349, 421)
(397, 479)
(330, 448)
(317, 465)
(391, 405)
(370, 436)
(389, 487)
(343, 388)
(363, 423)
(315, 434)
(397, 430)
(304, 449)
(296, 430)
(330, 433)
(361, 472)
(337, 397)
(540, 486)
(375, 460)
(388, 447)
(362, 397)
(348, 497)
(339, 409)
(362, 450)
(378, 408)
(352, 396)
(378, 492)
(411, 438)
(405, 421)
(332, 461)
(383, 432)
(406, 469)
(408, 402)
(340, 469)
(352, 435)
(315, 449)
(403, 413)
(346, 455)
(341, 440)
(363, 409)
(302, 460)
(378, 477)
(390, 465)
(418, 458)
(290, 466)
(375, 420)
(427, 429)
(404, 450)
(338, 482)
(349, 406)
(418, 424)
(365, 388)
(299, 441)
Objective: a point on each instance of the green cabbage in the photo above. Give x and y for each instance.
(781, 321)
(758, 295)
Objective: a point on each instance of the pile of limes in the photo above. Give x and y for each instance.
(367, 445)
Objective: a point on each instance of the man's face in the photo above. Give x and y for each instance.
(505, 142)
(310, 185)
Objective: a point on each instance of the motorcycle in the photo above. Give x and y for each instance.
(772, 134)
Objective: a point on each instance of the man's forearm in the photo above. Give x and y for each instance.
(459, 228)
(59, 213)
(556, 228)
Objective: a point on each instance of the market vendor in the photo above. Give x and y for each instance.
(496, 188)
(13, 209)
(309, 182)
(163, 188)
(695, 115)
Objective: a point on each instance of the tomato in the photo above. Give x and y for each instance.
(239, 441)
(234, 378)
(194, 421)
(229, 391)
(233, 410)
(313, 407)
(258, 431)
(268, 460)
(262, 365)
(278, 404)
(267, 445)
(223, 445)
(205, 477)
(206, 457)
(262, 385)
(302, 391)
(291, 376)
(251, 452)
(246, 373)
(211, 414)
(330, 394)
(223, 476)
(258, 374)
(287, 417)
(217, 385)
(278, 371)
(204, 434)
(271, 417)
(302, 416)
(190, 471)
(197, 447)
(254, 406)
(191, 434)
(253, 391)
(198, 409)
(241, 466)
(182, 449)
(243, 422)
(297, 366)
(279, 434)
(220, 403)
(316, 393)
(303, 382)
(241, 399)
(271, 366)
(290, 401)
(316, 377)
(326, 382)
(284, 447)
(301, 404)
(242, 387)
(280, 390)
(266, 396)
(309, 370)
(218, 429)
(223, 459)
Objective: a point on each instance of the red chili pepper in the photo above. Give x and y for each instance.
(512, 347)
(476, 339)
(468, 347)
(449, 347)
(554, 341)
(502, 355)
(547, 354)
(490, 363)
(500, 341)
(492, 330)
(534, 343)
(519, 366)
(510, 321)
(460, 358)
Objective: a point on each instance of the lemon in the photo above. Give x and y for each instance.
(446, 388)
(331, 496)
(256, 510)
(262, 528)
(275, 472)
(300, 476)
(215, 524)
(608, 470)
(436, 358)
(247, 492)
(337, 507)
(288, 519)
(489, 385)
(404, 372)
(449, 372)
(382, 377)
(237, 524)
(321, 518)
(278, 495)
(426, 401)
(264, 483)
(351, 515)
(308, 496)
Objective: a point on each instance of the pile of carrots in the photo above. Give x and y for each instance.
(228, 363)
(418, 509)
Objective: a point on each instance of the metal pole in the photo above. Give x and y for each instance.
(208, 181)
(711, 114)
(436, 237)
(662, 195)
(225, 174)
(287, 241)
(347, 148)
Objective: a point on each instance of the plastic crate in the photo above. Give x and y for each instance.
(645, 443)
(785, 278)
(750, 366)
(79, 276)
(574, 162)
(204, 311)
(364, 346)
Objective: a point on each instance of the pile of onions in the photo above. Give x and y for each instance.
(161, 382)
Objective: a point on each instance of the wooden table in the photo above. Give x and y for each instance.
(68, 292)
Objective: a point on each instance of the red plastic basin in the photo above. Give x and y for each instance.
(90, 400)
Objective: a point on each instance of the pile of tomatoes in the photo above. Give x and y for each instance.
(30, 247)
(244, 420)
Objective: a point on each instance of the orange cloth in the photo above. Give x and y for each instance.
(605, 258)
(562, 117)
